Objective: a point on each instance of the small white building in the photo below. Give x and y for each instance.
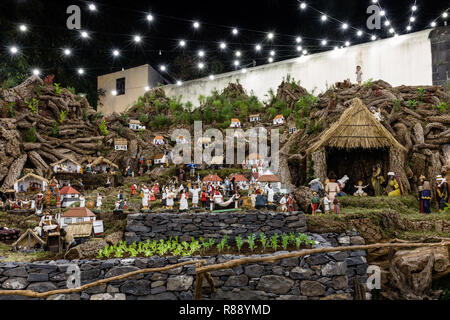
(120, 144)
(278, 120)
(69, 196)
(160, 159)
(136, 125)
(235, 123)
(158, 140)
(255, 118)
(269, 178)
(31, 183)
(241, 181)
(66, 165)
(77, 215)
(102, 164)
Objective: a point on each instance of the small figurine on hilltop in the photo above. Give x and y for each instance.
(326, 203)
(396, 184)
(315, 200)
(360, 189)
(283, 202)
(424, 195)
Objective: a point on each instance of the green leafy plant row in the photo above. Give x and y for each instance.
(184, 248)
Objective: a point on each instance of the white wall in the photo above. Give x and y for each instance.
(404, 60)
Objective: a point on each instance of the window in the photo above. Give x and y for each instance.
(120, 86)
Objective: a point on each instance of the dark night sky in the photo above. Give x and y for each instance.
(116, 21)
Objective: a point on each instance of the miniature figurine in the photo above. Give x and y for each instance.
(332, 188)
(360, 190)
(424, 195)
(253, 199)
(358, 75)
(326, 203)
(170, 199)
(444, 195)
(270, 193)
(195, 196)
(395, 183)
(283, 203)
(99, 201)
(341, 183)
(183, 202)
(377, 180)
(337, 206)
(82, 201)
(316, 186)
(145, 196)
(133, 189)
(315, 200)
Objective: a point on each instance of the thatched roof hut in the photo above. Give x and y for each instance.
(102, 160)
(356, 128)
(28, 240)
(354, 144)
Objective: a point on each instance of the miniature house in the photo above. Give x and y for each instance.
(159, 159)
(77, 215)
(68, 196)
(120, 144)
(241, 181)
(355, 144)
(213, 179)
(255, 118)
(103, 165)
(270, 178)
(136, 125)
(31, 183)
(29, 240)
(278, 120)
(235, 123)
(158, 140)
(66, 165)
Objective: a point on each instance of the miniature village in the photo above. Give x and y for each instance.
(352, 157)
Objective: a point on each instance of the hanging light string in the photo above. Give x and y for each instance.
(444, 15)
(412, 17)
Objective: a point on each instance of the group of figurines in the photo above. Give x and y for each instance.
(328, 196)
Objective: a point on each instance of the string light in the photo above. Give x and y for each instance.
(382, 13)
(258, 47)
(359, 33)
(150, 17)
(272, 53)
(408, 28)
(235, 31)
(323, 17)
(13, 50)
(324, 42)
(137, 38)
(182, 43)
(23, 28)
(92, 7)
(196, 24)
(373, 38)
(179, 83)
(67, 52)
(387, 23)
(223, 45)
(211, 77)
(162, 68)
(414, 8)
(298, 39)
(345, 26)
(201, 65)
(80, 71)
(236, 63)
(116, 53)
(201, 53)
(303, 6)
(299, 48)
(270, 59)
(445, 15)
(36, 72)
(270, 35)
(433, 24)
(238, 54)
(412, 19)
(84, 34)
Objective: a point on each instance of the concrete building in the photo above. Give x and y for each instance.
(123, 88)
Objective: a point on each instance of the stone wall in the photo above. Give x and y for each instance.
(320, 276)
(141, 227)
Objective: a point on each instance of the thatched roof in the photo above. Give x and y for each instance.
(32, 175)
(101, 160)
(64, 160)
(24, 235)
(78, 230)
(357, 128)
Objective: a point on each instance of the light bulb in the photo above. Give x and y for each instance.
(373, 38)
(223, 45)
(445, 15)
(80, 71)
(236, 63)
(412, 19)
(92, 7)
(303, 6)
(272, 53)
(238, 53)
(182, 43)
(235, 31)
(116, 53)
(270, 35)
(36, 72)
(211, 77)
(196, 25)
(201, 53)
(324, 42)
(414, 8)
(270, 60)
(67, 52)
(179, 83)
(408, 28)
(382, 13)
(14, 50)
(433, 24)
(163, 68)
(137, 39)
(84, 34)
(323, 17)
(258, 47)
(147, 88)
(23, 28)
(347, 43)
(299, 48)
(359, 33)
(298, 39)
(150, 17)
(345, 26)
(201, 65)
(387, 23)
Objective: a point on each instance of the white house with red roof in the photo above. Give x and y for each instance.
(158, 140)
(278, 120)
(77, 215)
(69, 196)
(235, 123)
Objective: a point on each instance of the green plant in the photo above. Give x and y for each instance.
(284, 241)
(58, 89)
(263, 240)
(55, 129)
(368, 83)
(251, 240)
(223, 243)
(442, 107)
(62, 116)
(103, 128)
(412, 104)
(397, 105)
(32, 105)
(421, 93)
(11, 106)
(143, 118)
(274, 241)
(30, 135)
(72, 90)
(239, 242)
